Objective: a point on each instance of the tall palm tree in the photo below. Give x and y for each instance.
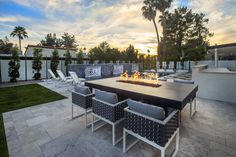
(20, 32)
(149, 10)
(149, 13)
(162, 6)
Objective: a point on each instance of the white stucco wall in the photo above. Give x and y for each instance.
(215, 84)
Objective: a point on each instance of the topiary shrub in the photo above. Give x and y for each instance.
(14, 65)
(37, 63)
(54, 61)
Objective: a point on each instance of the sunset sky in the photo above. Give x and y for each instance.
(119, 22)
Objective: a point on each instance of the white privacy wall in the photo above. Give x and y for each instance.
(4, 70)
(29, 69)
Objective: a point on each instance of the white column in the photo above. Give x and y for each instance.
(216, 57)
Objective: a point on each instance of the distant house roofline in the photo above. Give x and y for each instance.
(49, 47)
(222, 45)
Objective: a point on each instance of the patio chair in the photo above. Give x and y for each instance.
(107, 108)
(63, 78)
(53, 75)
(169, 71)
(82, 97)
(148, 123)
(181, 71)
(193, 103)
(183, 81)
(161, 70)
(75, 78)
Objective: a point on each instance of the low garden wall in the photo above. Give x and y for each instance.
(102, 70)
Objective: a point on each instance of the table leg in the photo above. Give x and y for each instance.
(166, 111)
(180, 117)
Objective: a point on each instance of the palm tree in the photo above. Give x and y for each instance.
(149, 10)
(149, 13)
(20, 33)
(162, 6)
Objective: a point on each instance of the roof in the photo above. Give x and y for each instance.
(49, 47)
(224, 49)
(222, 46)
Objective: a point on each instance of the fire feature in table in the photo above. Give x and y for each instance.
(149, 79)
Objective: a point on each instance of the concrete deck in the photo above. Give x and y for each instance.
(47, 131)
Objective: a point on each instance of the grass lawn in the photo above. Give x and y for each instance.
(13, 98)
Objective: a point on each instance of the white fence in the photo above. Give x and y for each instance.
(231, 64)
(26, 71)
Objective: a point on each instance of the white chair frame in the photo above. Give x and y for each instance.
(53, 75)
(75, 78)
(114, 141)
(63, 78)
(162, 149)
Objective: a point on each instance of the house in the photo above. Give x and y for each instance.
(47, 51)
(224, 51)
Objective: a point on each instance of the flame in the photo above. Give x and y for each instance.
(125, 75)
(137, 77)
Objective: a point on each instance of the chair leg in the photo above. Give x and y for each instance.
(72, 110)
(113, 134)
(163, 152)
(177, 141)
(85, 118)
(92, 123)
(124, 140)
(177, 144)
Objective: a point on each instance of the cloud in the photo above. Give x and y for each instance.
(14, 19)
(222, 18)
(8, 19)
(118, 22)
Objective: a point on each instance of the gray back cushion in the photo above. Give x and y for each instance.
(106, 96)
(146, 109)
(184, 81)
(82, 89)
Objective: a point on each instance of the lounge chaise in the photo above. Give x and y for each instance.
(63, 77)
(75, 78)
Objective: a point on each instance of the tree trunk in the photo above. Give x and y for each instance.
(164, 38)
(157, 33)
(158, 40)
(20, 45)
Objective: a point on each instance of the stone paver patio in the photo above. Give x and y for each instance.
(47, 131)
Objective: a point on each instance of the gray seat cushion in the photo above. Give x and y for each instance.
(106, 96)
(82, 89)
(184, 81)
(146, 109)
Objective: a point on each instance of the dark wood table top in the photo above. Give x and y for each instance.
(175, 95)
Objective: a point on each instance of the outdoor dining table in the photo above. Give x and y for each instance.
(167, 95)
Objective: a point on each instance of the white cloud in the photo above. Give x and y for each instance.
(8, 19)
(119, 24)
(14, 19)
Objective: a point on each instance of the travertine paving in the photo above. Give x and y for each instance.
(47, 130)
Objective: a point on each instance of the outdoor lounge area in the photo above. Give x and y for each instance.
(117, 78)
(49, 130)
